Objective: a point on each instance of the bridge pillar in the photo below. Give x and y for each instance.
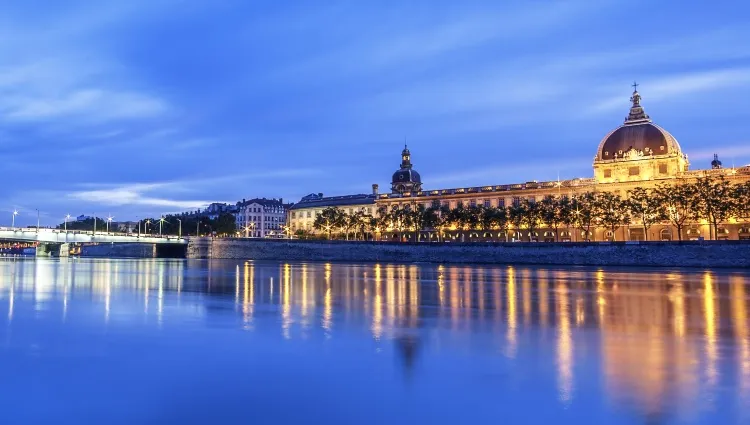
(64, 250)
(45, 250)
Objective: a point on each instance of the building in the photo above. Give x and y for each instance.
(637, 153)
(214, 210)
(302, 214)
(261, 217)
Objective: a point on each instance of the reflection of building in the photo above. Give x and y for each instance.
(261, 217)
(638, 153)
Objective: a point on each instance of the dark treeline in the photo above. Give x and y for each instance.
(223, 225)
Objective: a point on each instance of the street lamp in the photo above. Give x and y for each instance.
(145, 225)
(179, 231)
(161, 221)
(67, 217)
(109, 220)
(37, 220)
(94, 234)
(15, 213)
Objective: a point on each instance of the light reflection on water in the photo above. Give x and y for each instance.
(470, 343)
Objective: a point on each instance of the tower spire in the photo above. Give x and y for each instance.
(637, 115)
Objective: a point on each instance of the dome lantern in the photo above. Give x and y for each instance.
(406, 179)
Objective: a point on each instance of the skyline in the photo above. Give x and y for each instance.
(144, 108)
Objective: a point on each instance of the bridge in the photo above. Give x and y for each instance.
(57, 242)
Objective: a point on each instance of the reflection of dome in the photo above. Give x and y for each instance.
(643, 137)
(637, 137)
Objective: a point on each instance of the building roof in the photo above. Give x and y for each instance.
(262, 201)
(334, 201)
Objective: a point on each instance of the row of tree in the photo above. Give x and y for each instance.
(223, 225)
(712, 199)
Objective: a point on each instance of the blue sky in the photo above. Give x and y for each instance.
(146, 107)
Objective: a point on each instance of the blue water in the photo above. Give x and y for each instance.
(232, 342)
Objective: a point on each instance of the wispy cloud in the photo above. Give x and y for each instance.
(679, 85)
(135, 194)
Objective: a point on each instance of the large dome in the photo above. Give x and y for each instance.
(637, 137)
(648, 138)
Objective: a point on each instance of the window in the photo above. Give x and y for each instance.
(308, 214)
(532, 199)
(473, 203)
(293, 215)
(607, 173)
(634, 171)
(662, 168)
(501, 203)
(436, 203)
(516, 201)
(487, 203)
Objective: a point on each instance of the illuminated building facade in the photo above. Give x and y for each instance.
(636, 154)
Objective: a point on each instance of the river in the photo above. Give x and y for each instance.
(232, 342)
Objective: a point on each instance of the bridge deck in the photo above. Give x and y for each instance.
(79, 236)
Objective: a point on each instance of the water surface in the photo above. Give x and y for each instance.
(231, 342)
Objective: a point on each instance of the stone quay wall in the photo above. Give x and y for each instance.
(644, 254)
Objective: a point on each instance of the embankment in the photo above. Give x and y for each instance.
(645, 254)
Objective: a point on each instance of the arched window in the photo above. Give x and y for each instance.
(665, 235)
(609, 235)
(722, 234)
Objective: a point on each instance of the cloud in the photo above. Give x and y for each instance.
(726, 153)
(87, 104)
(679, 85)
(135, 194)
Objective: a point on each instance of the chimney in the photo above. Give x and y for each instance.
(375, 189)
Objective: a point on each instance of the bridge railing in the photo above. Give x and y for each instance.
(27, 230)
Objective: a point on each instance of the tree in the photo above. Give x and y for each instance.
(644, 206)
(712, 200)
(611, 211)
(554, 212)
(532, 216)
(583, 210)
(442, 220)
(516, 213)
(425, 218)
(741, 198)
(329, 219)
(224, 224)
(677, 201)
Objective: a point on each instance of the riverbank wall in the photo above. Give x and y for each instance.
(645, 254)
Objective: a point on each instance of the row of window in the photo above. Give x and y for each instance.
(311, 214)
(262, 209)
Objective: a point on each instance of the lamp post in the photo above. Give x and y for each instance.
(109, 220)
(67, 217)
(161, 221)
(139, 227)
(198, 228)
(145, 225)
(94, 234)
(179, 230)
(37, 220)
(13, 225)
